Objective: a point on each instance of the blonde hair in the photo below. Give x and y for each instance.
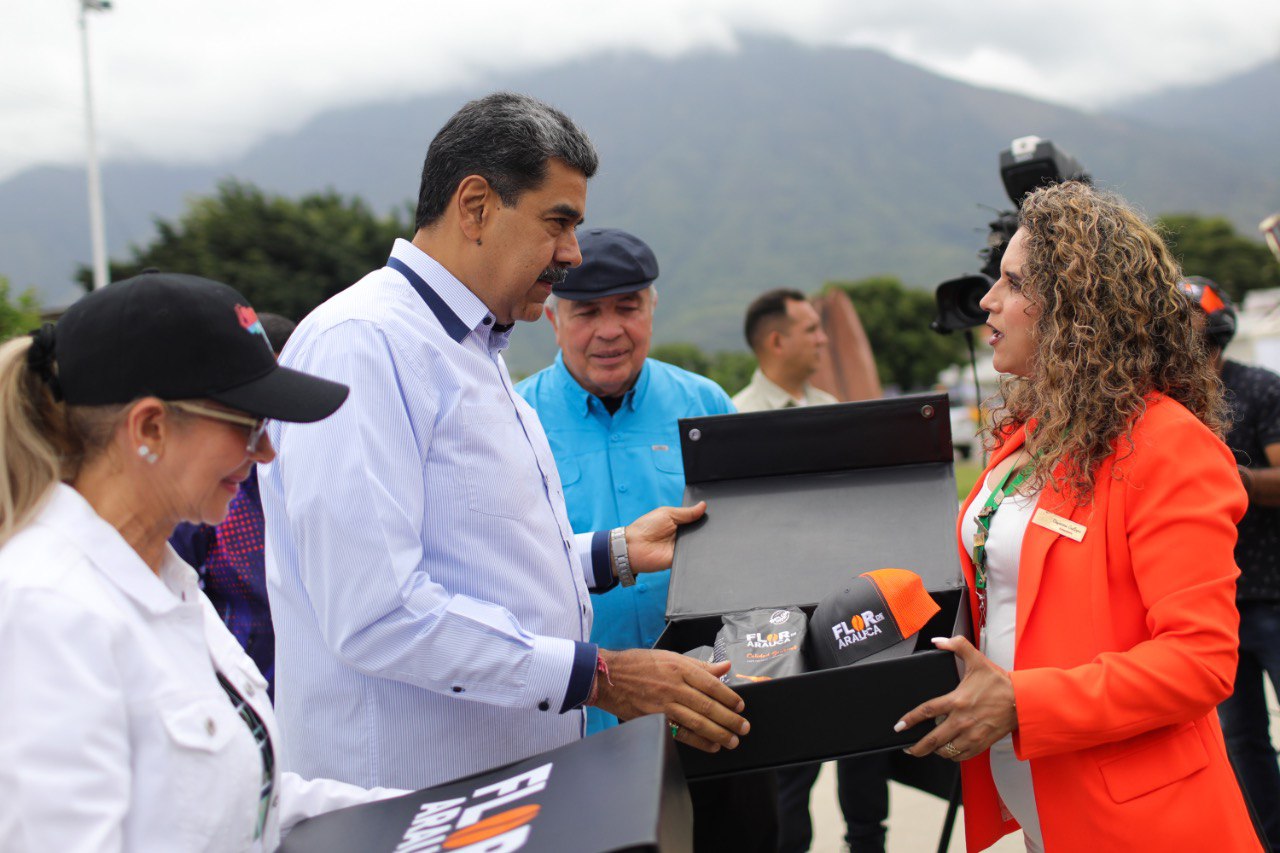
(42, 441)
(1113, 328)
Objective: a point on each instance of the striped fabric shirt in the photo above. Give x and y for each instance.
(429, 595)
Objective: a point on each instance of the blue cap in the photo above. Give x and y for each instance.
(613, 262)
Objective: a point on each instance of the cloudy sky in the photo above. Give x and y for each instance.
(195, 79)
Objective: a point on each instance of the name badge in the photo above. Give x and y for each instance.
(1058, 524)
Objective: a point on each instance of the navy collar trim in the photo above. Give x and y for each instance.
(453, 326)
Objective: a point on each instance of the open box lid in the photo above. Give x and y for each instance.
(801, 499)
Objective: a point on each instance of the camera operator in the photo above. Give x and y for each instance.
(1254, 396)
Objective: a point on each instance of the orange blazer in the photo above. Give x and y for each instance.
(1126, 643)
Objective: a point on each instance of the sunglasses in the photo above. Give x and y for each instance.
(257, 426)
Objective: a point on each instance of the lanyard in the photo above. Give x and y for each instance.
(1009, 484)
(263, 740)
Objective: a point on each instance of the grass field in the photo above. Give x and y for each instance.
(966, 475)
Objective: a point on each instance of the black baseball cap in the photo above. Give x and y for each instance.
(1218, 309)
(180, 337)
(613, 262)
(873, 617)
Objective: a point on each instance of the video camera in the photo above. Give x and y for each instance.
(1027, 164)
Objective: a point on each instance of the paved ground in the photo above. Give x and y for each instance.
(915, 819)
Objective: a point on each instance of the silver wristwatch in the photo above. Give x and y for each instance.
(618, 553)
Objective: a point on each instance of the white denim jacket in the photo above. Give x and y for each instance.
(114, 732)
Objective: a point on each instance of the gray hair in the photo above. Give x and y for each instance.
(506, 139)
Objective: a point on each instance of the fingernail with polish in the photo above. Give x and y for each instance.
(900, 726)
(939, 639)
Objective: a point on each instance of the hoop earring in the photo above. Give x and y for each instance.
(147, 455)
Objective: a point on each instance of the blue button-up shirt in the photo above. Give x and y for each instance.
(617, 467)
(429, 597)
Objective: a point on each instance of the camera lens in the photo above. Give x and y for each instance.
(968, 299)
(958, 300)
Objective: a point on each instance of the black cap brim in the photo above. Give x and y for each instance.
(587, 295)
(902, 649)
(286, 395)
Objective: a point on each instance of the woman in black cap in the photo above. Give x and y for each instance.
(131, 719)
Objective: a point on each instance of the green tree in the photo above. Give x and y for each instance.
(1209, 246)
(688, 356)
(908, 353)
(730, 370)
(286, 256)
(18, 314)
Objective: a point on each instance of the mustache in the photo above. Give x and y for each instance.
(554, 275)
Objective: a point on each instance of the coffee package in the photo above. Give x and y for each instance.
(761, 645)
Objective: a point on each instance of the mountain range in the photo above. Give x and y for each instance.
(775, 165)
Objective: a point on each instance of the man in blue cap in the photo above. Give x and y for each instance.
(610, 413)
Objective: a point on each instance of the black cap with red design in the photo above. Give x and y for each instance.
(180, 337)
(1219, 310)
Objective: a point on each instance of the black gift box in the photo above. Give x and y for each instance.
(620, 790)
(800, 500)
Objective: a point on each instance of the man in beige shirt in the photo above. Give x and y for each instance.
(785, 333)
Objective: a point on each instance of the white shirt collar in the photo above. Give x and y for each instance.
(71, 515)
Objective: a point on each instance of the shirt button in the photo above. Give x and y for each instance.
(210, 726)
(544, 705)
(457, 689)
(642, 590)
(622, 488)
(248, 688)
(615, 438)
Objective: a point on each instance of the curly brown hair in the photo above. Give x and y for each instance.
(1113, 328)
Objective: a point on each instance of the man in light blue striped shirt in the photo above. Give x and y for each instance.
(429, 596)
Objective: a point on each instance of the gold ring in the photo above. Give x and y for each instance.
(951, 750)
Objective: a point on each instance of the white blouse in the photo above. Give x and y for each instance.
(1004, 548)
(114, 732)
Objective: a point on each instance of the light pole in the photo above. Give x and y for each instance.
(97, 230)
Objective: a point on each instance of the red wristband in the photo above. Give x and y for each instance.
(602, 669)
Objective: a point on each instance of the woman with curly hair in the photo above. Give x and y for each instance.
(1098, 551)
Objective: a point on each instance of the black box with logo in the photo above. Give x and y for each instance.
(620, 790)
(800, 500)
